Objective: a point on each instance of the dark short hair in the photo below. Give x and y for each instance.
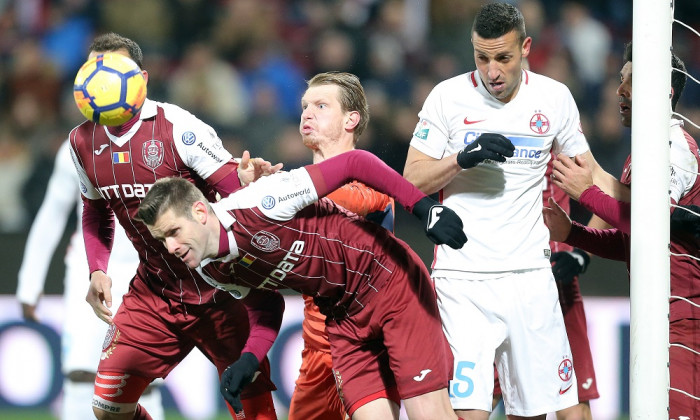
(678, 78)
(352, 95)
(113, 42)
(175, 193)
(497, 19)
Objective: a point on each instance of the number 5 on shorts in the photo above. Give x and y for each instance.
(462, 386)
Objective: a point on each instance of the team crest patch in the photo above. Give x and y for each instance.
(566, 369)
(339, 384)
(110, 343)
(188, 138)
(265, 241)
(153, 153)
(539, 123)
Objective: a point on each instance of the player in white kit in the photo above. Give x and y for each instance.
(83, 333)
(483, 142)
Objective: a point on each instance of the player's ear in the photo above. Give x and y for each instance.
(352, 119)
(200, 212)
(145, 75)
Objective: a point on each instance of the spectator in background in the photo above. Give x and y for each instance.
(210, 87)
(590, 43)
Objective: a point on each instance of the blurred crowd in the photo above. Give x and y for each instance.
(241, 66)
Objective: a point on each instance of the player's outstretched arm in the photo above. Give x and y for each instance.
(442, 224)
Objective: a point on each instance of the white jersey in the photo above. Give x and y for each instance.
(500, 203)
(684, 164)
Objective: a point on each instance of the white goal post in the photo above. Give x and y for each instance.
(650, 256)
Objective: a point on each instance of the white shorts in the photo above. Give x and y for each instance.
(516, 321)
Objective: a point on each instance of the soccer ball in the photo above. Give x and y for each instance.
(109, 89)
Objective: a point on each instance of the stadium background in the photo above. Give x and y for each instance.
(240, 65)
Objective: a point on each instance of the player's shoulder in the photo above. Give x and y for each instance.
(682, 142)
(460, 82)
(541, 81)
(172, 112)
(81, 135)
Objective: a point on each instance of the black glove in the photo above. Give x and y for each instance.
(569, 264)
(239, 374)
(683, 220)
(487, 146)
(442, 225)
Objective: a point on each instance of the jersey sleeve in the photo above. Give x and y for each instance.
(86, 188)
(570, 140)
(198, 144)
(684, 167)
(48, 226)
(612, 244)
(431, 134)
(278, 196)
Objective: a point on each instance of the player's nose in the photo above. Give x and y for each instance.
(172, 246)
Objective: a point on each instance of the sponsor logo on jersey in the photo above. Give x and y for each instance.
(101, 149)
(539, 123)
(124, 191)
(247, 260)
(268, 202)
(294, 194)
(188, 138)
(209, 153)
(422, 130)
(277, 275)
(153, 153)
(467, 121)
(587, 384)
(265, 241)
(83, 188)
(121, 157)
(526, 150)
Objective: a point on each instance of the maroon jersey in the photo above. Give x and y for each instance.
(685, 185)
(685, 247)
(280, 237)
(166, 141)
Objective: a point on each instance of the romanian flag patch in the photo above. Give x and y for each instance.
(247, 260)
(120, 157)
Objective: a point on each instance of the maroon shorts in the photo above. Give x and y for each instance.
(395, 343)
(152, 336)
(685, 369)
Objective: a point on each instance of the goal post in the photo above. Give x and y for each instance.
(650, 235)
